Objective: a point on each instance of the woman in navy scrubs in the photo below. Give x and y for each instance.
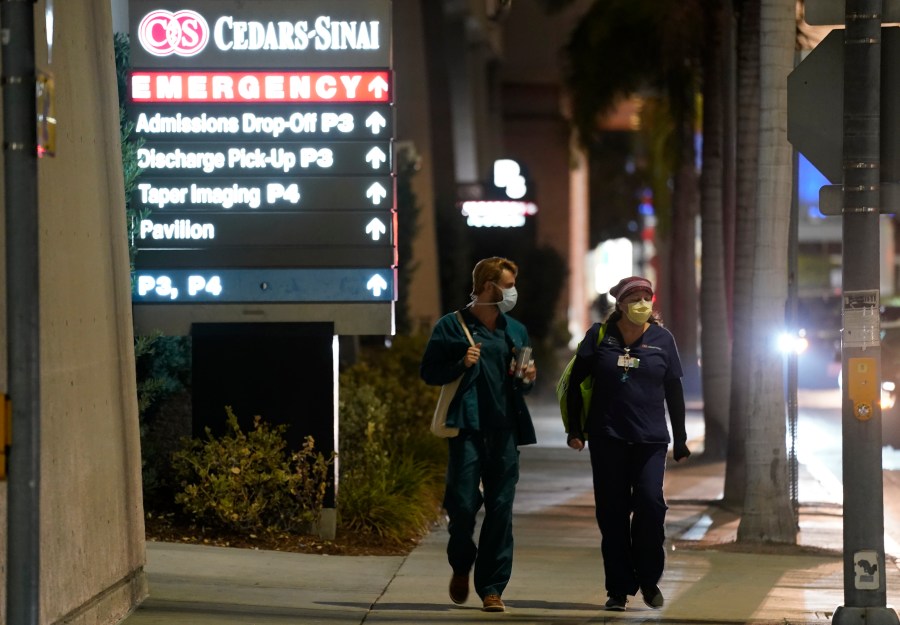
(636, 375)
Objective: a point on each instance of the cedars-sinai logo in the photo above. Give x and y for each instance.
(184, 33)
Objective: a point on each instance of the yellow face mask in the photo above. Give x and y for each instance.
(639, 312)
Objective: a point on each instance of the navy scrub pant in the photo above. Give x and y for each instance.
(492, 459)
(631, 511)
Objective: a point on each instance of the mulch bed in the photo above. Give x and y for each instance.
(170, 528)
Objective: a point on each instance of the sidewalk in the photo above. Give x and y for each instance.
(557, 576)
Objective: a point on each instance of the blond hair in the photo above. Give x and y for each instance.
(490, 270)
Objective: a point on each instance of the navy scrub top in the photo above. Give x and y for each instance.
(631, 405)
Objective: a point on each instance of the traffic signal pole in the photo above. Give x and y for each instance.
(865, 593)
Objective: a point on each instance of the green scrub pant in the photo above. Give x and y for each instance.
(492, 459)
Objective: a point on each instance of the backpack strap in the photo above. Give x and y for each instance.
(601, 333)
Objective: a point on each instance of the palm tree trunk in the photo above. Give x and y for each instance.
(729, 140)
(682, 287)
(745, 246)
(714, 337)
(768, 515)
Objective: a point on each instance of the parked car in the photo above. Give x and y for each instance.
(820, 318)
(817, 340)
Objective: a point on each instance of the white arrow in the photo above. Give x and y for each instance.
(376, 157)
(376, 284)
(376, 229)
(377, 193)
(378, 86)
(376, 122)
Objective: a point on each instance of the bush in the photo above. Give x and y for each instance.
(163, 370)
(249, 483)
(394, 371)
(391, 467)
(395, 503)
(542, 275)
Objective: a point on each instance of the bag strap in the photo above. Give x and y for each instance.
(465, 328)
(600, 334)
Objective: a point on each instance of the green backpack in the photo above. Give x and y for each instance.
(587, 388)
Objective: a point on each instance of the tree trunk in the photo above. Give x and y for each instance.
(729, 165)
(768, 515)
(714, 337)
(682, 287)
(745, 246)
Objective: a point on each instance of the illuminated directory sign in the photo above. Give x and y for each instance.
(266, 136)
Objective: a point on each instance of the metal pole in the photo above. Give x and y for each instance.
(20, 180)
(793, 356)
(865, 594)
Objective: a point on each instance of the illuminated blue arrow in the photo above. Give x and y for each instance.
(376, 284)
(377, 193)
(375, 228)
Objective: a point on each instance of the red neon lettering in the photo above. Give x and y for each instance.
(260, 86)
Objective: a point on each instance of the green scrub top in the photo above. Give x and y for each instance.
(494, 382)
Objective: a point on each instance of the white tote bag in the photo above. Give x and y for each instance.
(448, 392)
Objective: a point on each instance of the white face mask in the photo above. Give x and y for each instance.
(507, 302)
(510, 297)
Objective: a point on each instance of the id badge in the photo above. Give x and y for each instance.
(628, 362)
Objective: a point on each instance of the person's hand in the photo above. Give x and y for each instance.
(472, 355)
(680, 451)
(575, 442)
(530, 374)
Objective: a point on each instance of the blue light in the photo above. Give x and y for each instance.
(809, 181)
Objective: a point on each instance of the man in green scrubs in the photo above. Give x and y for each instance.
(489, 410)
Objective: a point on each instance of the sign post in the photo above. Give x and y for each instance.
(860, 159)
(266, 205)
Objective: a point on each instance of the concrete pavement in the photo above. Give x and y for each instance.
(557, 575)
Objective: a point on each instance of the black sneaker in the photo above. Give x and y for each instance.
(653, 597)
(616, 603)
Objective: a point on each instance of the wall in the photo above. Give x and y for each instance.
(413, 121)
(536, 132)
(92, 530)
(474, 56)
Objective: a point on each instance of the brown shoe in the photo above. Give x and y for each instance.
(459, 589)
(493, 603)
